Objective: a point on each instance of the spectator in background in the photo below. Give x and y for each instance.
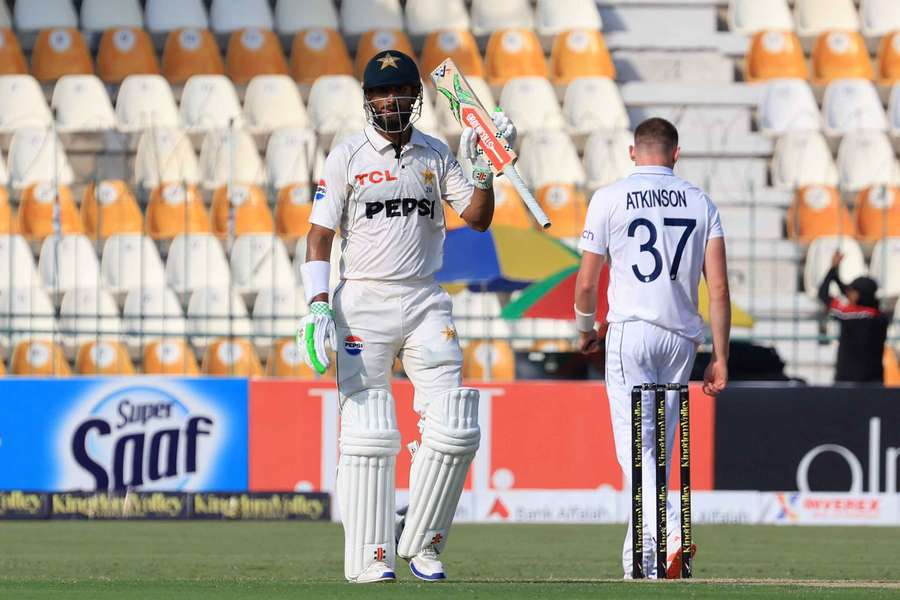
(863, 326)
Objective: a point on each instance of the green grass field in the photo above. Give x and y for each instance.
(304, 560)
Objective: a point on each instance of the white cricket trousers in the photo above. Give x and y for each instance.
(638, 352)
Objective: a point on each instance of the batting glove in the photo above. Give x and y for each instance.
(482, 176)
(316, 336)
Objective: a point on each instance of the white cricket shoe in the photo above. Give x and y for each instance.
(375, 572)
(427, 566)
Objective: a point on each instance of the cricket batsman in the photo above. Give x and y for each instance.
(384, 189)
(660, 233)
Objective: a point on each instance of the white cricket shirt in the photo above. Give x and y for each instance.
(389, 209)
(654, 226)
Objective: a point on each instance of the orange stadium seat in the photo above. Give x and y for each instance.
(253, 51)
(12, 61)
(251, 210)
(508, 207)
(38, 357)
(512, 53)
(174, 209)
(60, 51)
(580, 53)
(7, 224)
(190, 52)
(2, 368)
(108, 208)
(377, 40)
(889, 59)
(878, 212)
(494, 360)
(566, 208)
(285, 360)
(103, 358)
(775, 55)
(818, 211)
(235, 357)
(453, 220)
(317, 52)
(292, 212)
(36, 206)
(459, 45)
(891, 367)
(125, 51)
(169, 357)
(840, 55)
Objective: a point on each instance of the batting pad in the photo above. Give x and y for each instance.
(449, 441)
(370, 442)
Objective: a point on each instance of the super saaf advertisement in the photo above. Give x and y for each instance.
(98, 434)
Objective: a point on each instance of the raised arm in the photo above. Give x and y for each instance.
(715, 269)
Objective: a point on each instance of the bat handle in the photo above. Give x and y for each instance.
(536, 211)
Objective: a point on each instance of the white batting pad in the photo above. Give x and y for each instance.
(370, 442)
(449, 441)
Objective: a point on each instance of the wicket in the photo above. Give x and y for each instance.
(637, 492)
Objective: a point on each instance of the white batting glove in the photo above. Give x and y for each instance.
(317, 336)
(482, 176)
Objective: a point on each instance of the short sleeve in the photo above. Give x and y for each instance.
(713, 222)
(595, 236)
(331, 192)
(456, 188)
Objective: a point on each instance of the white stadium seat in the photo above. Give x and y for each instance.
(216, 312)
(761, 223)
(292, 156)
(292, 16)
(226, 16)
(359, 16)
(68, 262)
(549, 157)
(818, 262)
(276, 312)
(812, 17)
(879, 17)
(556, 16)
(271, 102)
(146, 101)
(37, 155)
(335, 100)
(490, 15)
(852, 105)
(165, 155)
(803, 158)
(750, 16)
(230, 156)
(100, 15)
(428, 121)
(87, 314)
(33, 15)
(81, 103)
(5, 17)
(721, 176)
(26, 313)
(162, 16)
(149, 314)
(258, 261)
(22, 103)
(883, 267)
(426, 16)
(866, 158)
(593, 103)
(17, 268)
(531, 104)
(894, 110)
(195, 261)
(788, 105)
(606, 157)
(4, 174)
(130, 261)
(210, 102)
(447, 121)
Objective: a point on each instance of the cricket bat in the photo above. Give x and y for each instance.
(469, 112)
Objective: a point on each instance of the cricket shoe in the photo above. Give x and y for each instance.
(427, 566)
(376, 572)
(674, 569)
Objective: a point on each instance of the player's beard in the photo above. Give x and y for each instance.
(396, 119)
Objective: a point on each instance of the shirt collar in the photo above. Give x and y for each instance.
(380, 143)
(652, 170)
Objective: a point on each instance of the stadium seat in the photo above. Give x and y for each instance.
(230, 156)
(226, 16)
(253, 52)
(146, 101)
(232, 357)
(292, 211)
(775, 55)
(259, 261)
(813, 17)
(763, 224)
(566, 207)
(188, 52)
(878, 212)
(39, 357)
(209, 103)
(151, 314)
(33, 15)
(5, 17)
(125, 51)
(22, 104)
(883, 268)
(580, 53)
(606, 157)
(272, 102)
(447, 121)
(12, 61)
(749, 17)
(100, 15)
(818, 262)
(165, 155)
(108, 208)
(888, 62)
(377, 40)
(292, 16)
(169, 357)
(286, 360)
(593, 103)
(840, 55)
(81, 104)
(556, 16)
(803, 158)
(76, 259)
(891, 366)
(103, 358)
(509, 210)
(894, 110)
(489, 16)
(131, 261)
(319, 52)
(163, 16)
(216, 312)
(251, 211)
(866, 158)
(292, 157)
(60, 51)
(7, 222)
(489, 361)
(88, 314)
(879, 17)
(458, 44)
(549, 157)
(852, 105)
(788, 105)
(37, 155)
(276, 312)
(17, 268)
(359, 16)
(514, 53)
(531, 104)
(175, 209)
(425, 17)
(196, 261)
(818, 211)
(26, 313)
(37, 208)
(334, 101)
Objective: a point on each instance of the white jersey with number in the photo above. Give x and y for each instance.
(654, 226)
(389, 208)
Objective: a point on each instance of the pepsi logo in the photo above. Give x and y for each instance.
(353, 345)
(320, 190)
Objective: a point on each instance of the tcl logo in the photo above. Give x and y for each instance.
(375, 177)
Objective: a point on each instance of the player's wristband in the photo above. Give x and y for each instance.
(482, 177)
(315, 275)
(584, 322)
